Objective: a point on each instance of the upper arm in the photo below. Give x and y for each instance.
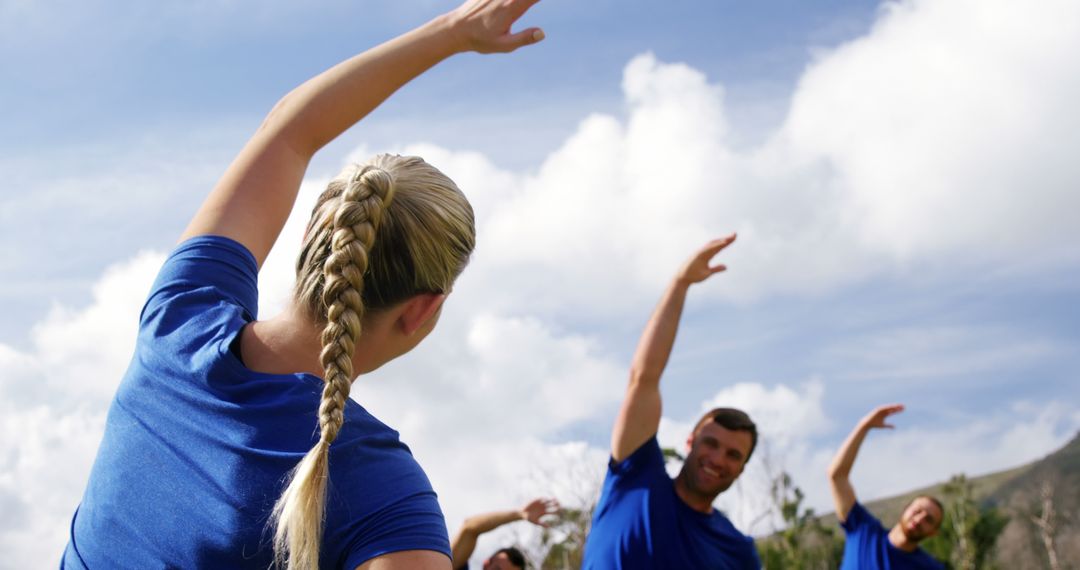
(408, 560)
(254, 197)
(463, 545)
(638, 419)
(843, 496)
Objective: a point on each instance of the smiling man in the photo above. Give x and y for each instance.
(644, 519)
(869, 546)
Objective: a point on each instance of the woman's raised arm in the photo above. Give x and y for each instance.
(255, 195)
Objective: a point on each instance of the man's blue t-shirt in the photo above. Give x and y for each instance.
(641, 523)
(197, 447)
(868, 548)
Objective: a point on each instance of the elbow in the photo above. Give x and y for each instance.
(469, 527)
(643, 374)
(281, 127)
(836, 473)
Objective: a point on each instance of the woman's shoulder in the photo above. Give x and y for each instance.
(203, 294)
(213, 264)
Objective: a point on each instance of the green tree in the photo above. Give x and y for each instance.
(804, 543)
(564, 541)
(969, 531)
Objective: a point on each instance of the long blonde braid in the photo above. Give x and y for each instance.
(361, 253)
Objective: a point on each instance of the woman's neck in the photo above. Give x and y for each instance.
(285, 344)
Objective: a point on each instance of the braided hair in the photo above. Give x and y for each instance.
(380, 233)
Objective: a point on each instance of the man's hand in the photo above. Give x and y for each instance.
(539, 508)
(697, 268)
(877, 417)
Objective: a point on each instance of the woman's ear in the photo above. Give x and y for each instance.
(418, 310)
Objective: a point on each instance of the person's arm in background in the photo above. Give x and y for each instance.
(252, 200)
(840, 469)
(639, 417)
(464, 542)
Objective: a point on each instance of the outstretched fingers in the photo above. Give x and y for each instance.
(881, 413)
(539, 508)
(485, 25)
(698, 268)
(511, 42)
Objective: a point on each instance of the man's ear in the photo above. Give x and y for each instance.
(418, 310)
(689, 443)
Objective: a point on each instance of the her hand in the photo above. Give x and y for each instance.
(484, 25)
(697, 269)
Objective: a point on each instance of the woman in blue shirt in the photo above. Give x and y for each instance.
(217, 411)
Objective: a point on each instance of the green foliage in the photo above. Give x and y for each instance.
(671, 455)
(969, 530)
(564, 541)
(804, 544)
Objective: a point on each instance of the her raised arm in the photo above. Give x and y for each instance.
(255, 195)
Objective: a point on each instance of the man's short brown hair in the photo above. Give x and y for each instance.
(732, 419)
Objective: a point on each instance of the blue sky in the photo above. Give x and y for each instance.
(901, 178)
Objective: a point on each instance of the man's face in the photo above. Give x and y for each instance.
(921, 519)
(716, 458)
(500, 562)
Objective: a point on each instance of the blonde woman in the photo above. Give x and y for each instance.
(231, 442)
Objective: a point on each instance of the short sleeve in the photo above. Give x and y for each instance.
(647, 459)
(858, 518)
(206, 269)
(414, 523)
(382, 500)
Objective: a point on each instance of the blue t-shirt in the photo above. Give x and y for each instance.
(197, 447)
(641, 523)
(868, 548)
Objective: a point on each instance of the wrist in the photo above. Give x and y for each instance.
(681, 283)
(451, 26)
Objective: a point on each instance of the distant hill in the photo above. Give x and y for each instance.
(1017, 492)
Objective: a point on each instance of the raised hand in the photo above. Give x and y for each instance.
(697, 268)
(484, 26)
(877, 417)
(539, 508)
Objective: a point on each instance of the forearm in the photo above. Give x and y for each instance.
(639, 416)
(490, 521)
(322, 108)
(844, 460)
(465, 541)
(658, 338)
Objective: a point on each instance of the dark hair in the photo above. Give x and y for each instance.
(515, 556)
(732, 419)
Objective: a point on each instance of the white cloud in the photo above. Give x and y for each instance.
(53, 409)
(950, 126)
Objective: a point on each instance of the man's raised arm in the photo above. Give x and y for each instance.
(840, 469)
(639, 417)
